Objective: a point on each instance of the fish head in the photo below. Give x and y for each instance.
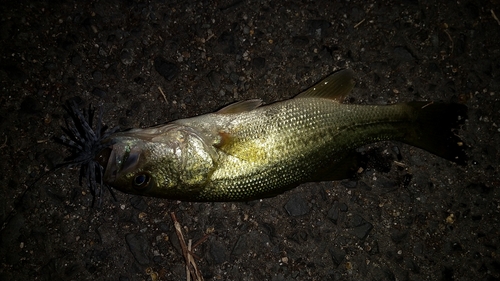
(169, 161)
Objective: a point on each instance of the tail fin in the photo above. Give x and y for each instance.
(434, 130)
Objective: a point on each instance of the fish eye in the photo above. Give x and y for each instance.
(141, 181)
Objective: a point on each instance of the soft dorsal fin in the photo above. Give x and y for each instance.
(240, 106)
(334, 87)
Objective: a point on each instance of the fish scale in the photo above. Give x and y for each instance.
(287, 136)
(247, 151)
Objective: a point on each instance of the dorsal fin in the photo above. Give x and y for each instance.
(240, 106)
(334, 87)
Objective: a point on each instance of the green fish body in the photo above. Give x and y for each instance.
(247, 151)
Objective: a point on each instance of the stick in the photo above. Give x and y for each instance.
(163, 94)
(359, 23)
(494, 16)
(451, 39)
(192, 270)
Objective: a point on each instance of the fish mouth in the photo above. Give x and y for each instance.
(107, 158)
(118, 159)
(104, 157)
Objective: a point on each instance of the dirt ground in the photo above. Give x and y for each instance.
(409, 215)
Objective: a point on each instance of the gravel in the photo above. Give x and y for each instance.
(408, 216)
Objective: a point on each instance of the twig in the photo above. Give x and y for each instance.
(202, 239)
(359, 23)
(4, 143)
(163, 94)
(190, 259)
(494, 16)
(192, 270)
(400, 164)
(427, 104)
(449, 36)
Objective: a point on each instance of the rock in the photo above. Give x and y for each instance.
(300, 41)
(97, 76)
(234, 77)
(479, 188)
(76, 60)
(165, 68)
(107, 234)
(360, 227)
(49, 65)
(138, 203)
(356, 220)
(127, 56)
(227, 42)
(317, 27)
(240, 246)
(299, 236)
(350, 184)
(411, 265)
(214, 79)
(362, 185)
(334, 212)
(269, 229)
(337, 255)
(397, 236)
(218, 252)
(259, 63)
(402, 54)
(139, 247)
(98, 92)
(297, 206)
(362, 231)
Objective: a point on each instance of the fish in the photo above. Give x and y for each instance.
(247, 150)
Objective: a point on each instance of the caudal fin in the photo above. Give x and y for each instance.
(435, 129)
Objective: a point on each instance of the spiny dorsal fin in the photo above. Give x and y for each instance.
(240, 106)
(334, 87)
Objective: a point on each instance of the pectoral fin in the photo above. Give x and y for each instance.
(249, 151)
(335, 87)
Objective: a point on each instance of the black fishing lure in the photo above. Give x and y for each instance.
(85, 143)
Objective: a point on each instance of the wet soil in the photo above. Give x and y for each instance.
(408, 216)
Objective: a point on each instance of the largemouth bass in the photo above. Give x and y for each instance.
(248, 151)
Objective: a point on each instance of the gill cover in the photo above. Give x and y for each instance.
(168, 160)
